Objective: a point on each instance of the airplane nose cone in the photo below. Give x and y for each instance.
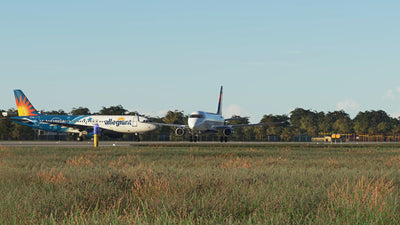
(152, 127)
(192, 123)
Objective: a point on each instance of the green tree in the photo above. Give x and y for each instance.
(113, 110)
(249, 133)
(395, 126)
(14, 131)
(54, 112)
(305, 120)
(80, 111)
(288, 133)
(273, 129)
(373, 122)
(239, 133)
(342, 126)
(174, 117)
(21, 132)
(259, 133)
(384, 127)
(340, 122)
(276, 129)
(5, 125)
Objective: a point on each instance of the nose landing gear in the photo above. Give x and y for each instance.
(194, 138)
(136, 137)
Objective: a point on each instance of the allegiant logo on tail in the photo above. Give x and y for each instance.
(24, 106)
(118, 122)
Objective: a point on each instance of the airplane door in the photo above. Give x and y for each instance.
(135, 121)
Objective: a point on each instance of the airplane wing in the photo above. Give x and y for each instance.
(247, 125)
(62, 123)
(71, 125)
(237, 118)
(82, 127)
(171, 125)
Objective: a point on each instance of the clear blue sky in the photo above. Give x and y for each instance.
(153, 56)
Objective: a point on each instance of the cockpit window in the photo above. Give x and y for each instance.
(196, 116)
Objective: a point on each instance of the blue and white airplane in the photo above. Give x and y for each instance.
(201, 122)
(81, 124)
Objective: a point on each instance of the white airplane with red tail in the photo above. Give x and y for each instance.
(201, 122)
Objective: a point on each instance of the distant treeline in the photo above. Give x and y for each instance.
(298, 122)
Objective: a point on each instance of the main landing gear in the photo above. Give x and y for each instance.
(136, 137)
(81, 137)
(194, 138)
(223, 139)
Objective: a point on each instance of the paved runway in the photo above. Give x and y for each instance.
(65, 143)
(130, 143)
(112, 143)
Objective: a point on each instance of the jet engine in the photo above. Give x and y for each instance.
(180, 131)
(227, 131)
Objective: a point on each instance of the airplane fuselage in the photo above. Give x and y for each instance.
(66, 123)
(204, 121)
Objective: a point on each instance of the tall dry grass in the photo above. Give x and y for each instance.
(215, 184)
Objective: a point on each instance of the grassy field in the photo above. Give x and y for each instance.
(207, 184)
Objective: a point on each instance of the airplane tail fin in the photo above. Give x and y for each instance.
(219, 110)
(24, 106)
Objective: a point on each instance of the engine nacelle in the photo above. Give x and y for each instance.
(180, 131)
(227, 131)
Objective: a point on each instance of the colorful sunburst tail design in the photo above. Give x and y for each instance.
(24, 106)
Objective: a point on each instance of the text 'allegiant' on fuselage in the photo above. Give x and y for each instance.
(118, 122)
